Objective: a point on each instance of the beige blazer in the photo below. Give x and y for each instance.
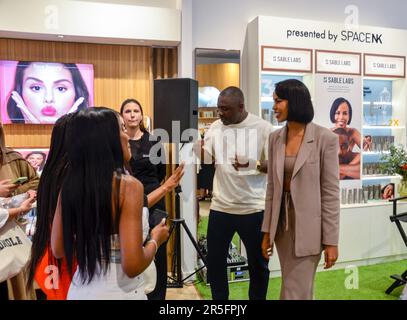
(314, 189)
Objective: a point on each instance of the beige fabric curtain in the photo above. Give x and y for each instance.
(165, 63)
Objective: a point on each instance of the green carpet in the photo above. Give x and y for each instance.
(329, 285)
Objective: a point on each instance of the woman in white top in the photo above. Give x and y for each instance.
(106, 243)
(12, 208)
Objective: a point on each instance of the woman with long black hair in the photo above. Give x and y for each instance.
(98, 217)
(48, 190)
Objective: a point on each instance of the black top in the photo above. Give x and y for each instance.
(150, 175)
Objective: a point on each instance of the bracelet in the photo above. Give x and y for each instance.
(155, 243)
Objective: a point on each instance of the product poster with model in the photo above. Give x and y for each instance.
(338, 103)
(36, 157)
(41, 92)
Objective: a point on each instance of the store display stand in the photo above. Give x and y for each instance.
(373, 79)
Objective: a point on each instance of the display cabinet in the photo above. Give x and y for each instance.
(372, 78)
(383, 126)
(206, 116)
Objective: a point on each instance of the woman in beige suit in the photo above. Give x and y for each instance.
(302, 200)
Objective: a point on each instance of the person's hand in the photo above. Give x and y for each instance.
(32, 194)
(76, 105)
(331, 255)
(7, 188)
(26, 205)
(238, 165)
(175, 178)
(21, 105)
(266, 248)
(160, 232)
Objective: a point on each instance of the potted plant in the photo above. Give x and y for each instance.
(394, 163)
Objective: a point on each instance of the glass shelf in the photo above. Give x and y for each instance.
(370, 203)
(207, 119)
(375, 152)
(378, 177)
(214, 108)
(383, 127)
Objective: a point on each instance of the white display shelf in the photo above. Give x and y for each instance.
(378, 176)
(208, 119)
(384, 127)
(377, 103)
(371, 203)
(375, 152)
(214, 108)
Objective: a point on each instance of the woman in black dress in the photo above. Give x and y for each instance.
(149, 168)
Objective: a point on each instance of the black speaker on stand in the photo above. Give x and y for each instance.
(176, 100)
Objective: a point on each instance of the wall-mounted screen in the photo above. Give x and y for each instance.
(41, 92)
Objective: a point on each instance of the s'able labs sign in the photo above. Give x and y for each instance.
(344, 36)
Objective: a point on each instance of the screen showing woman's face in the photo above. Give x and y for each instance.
(35, 160)
(342, 115)
(48, 91)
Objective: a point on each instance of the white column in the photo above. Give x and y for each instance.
(188, 202)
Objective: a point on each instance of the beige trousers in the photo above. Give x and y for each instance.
(298, 273)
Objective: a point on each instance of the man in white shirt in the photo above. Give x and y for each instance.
(237, 143)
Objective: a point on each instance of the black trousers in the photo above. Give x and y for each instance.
(3, 291)
(221, 228)
(160, 260)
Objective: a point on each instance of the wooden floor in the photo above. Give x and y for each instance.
(189, 292)
(186, 293)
